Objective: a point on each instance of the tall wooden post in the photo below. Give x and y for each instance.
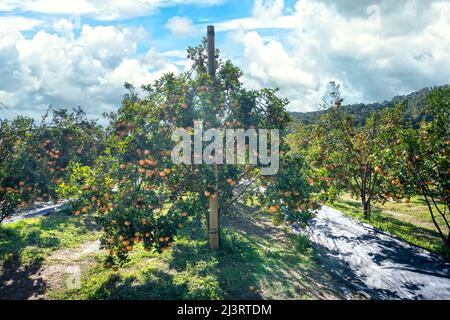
(213, 201)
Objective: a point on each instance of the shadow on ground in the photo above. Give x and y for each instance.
(381, 266)
(257, 261)
(22, 252)
(20, 283)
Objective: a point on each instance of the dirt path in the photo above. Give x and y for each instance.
(61, 270)
(376, 263)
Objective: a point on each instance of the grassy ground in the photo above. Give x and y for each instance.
(257, 261)
(29, 241)
(409, 221)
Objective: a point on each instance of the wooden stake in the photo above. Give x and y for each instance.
(211, 52)
(213, 201)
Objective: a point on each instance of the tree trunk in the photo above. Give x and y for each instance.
(366, 209)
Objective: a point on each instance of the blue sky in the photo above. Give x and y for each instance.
(80, 52)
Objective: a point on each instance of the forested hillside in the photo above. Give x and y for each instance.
(415, 104)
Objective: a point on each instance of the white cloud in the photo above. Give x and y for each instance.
(266, 14)
(18, 23)
(375, 59)
(268, 8)
(254, 23)
(298, 49)
(66, 70)
(181, 26)
(64, 27)
(98, 9)
(55, 7)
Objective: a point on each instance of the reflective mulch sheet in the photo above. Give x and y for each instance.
(378, 264)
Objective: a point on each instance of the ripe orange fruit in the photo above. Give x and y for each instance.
(377, 169)
(127, 223)
(147, 152)
(273, 209)
(207, 194)
(184, 214)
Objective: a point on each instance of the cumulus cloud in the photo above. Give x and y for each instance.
(65, 70)
(181, 26)
(375, 51)
(375, 48)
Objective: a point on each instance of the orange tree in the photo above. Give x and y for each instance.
(34, 157)
(422, 159)
(345, 156)
(17, 165)
(137, 192)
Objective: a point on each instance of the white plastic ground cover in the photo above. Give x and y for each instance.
(42, 209)
(378, 264)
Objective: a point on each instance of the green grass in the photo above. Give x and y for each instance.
(257, 261)
(410, 221)
(249, 266)
(29, 241)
